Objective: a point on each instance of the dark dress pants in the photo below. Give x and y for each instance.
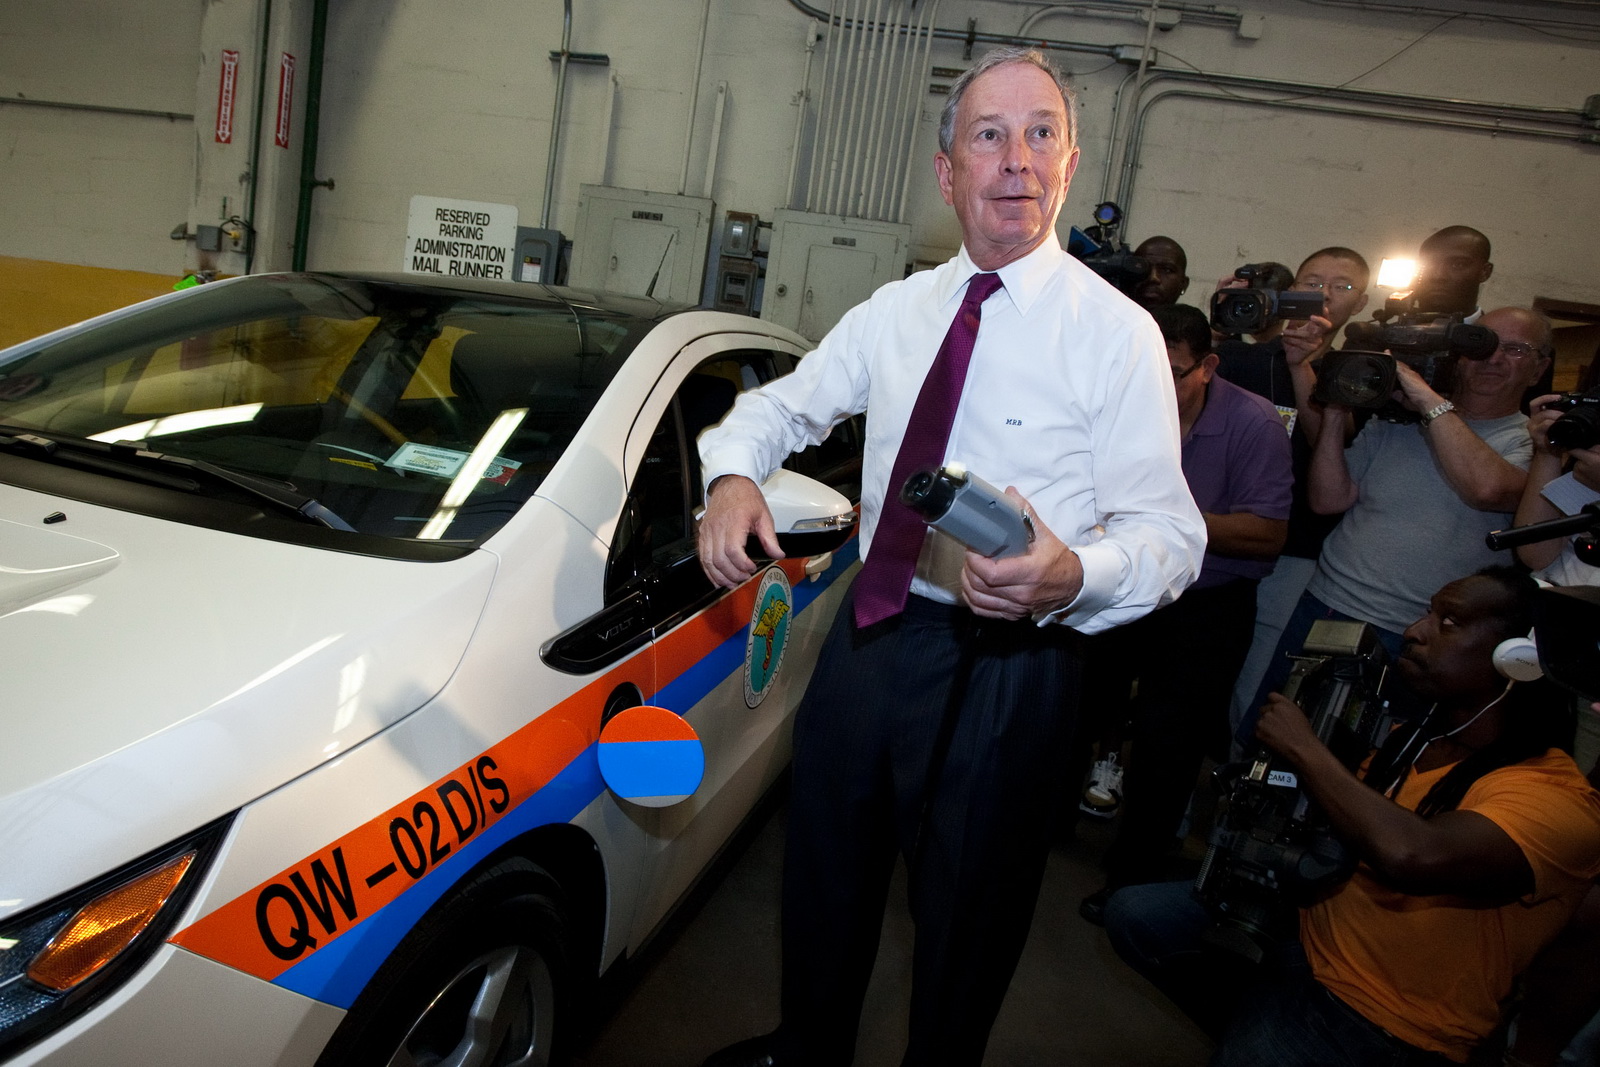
(974, 824)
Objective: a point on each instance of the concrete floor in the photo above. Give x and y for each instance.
(713, 979)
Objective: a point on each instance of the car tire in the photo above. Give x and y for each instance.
(484, 979)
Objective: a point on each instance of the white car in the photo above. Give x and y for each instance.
(316, 591)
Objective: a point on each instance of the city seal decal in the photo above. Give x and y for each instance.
(769, 633)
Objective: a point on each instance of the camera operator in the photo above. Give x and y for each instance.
(1186, 655)
(1280, 371)
(1554, 560)
(1268, 275)
(1418, 498)
(1477, 838)
(1168, 277)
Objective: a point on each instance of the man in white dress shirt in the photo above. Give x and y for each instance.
(939, 730)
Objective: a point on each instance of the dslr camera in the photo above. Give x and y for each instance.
(1579, 427)
(1270, 848)
(1101, 249)
(1251, 310)
(1364, 374)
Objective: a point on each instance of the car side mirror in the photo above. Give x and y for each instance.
(811, 518)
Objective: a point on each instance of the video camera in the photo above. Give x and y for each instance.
(1270, 848)
(1364, 374)
(1251, 310)
(1101, 249)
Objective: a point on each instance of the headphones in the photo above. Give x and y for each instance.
(1517, 658)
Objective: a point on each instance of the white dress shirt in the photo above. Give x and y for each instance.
(1068, 397)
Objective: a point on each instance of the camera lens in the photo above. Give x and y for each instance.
(1578, 428)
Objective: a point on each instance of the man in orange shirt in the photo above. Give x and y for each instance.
(1477, 838)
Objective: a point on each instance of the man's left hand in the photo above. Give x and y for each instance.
(1046, 577)
(1413, 392)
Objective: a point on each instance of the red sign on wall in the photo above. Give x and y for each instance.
(285, 100)
(225, 96)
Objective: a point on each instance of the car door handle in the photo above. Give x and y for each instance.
(817, 564)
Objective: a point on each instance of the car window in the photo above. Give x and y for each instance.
(409, 411)
(656, 534)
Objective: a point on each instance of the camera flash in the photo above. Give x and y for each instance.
(1397, 273)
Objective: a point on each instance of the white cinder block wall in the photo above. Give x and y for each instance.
(455, 100)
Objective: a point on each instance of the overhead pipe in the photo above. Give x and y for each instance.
(801, 103)
(1530, 21)
(313, 123)
(1379, 97)
(1133, 11)
(855, 140)
(883, 116)
(911, 139)
(555, 116)
(721, 109)
(255, 140)
(830, 65)
(694, 92)
(904, 106)
(845, 122)
(974, 37)
(1136, 134)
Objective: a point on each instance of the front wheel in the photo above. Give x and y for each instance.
(481, 982)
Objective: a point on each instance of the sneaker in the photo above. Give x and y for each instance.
(1103, 795)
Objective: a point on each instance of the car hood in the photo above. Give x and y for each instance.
(154, 676)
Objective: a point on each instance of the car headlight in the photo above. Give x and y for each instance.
(61, 957)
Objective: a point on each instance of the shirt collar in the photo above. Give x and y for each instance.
(1024, 279)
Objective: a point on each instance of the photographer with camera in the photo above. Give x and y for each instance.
(1280, 370)
(1477, 837)
(1236, 463)
(1418, 497)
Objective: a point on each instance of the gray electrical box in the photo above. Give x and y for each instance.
(538, 256)
(631, 241)
(823, 265)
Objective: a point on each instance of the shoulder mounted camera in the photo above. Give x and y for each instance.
(1101, 249)
(1364, 374)
(1270, 848)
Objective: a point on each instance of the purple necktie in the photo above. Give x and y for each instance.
(885, 578)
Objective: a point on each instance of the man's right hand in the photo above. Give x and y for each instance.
(735, 509)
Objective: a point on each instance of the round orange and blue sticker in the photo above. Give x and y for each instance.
(651, 756)
(769, 633)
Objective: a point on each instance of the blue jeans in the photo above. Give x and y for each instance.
(1267, 1015)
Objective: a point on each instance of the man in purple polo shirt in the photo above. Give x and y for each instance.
(1236, 459)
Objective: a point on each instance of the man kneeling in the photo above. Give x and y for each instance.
(1477, 837)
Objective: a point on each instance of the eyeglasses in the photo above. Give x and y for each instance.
(1180, 375)
(1518, 350)
(1335, 287)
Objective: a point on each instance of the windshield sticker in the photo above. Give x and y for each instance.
(769, 632)
(446, 462)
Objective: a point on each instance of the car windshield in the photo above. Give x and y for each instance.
(408, 410)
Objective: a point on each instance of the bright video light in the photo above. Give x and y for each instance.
(1397, 273)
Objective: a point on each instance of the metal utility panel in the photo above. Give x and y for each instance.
(628, 240)
(823, 265)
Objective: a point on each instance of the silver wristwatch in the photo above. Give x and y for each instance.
(1434, 412)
